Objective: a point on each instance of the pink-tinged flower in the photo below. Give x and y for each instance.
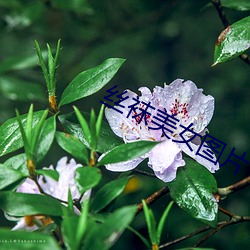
(58, 189)
(181, 99)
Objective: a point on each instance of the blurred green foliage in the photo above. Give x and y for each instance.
(161, 41)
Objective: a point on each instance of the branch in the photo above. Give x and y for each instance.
(185, 237)
(235, 220)
(226, 23)
(144, 173)
(152, 198)
(223, 192)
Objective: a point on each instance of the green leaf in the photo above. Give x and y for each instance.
(43, 65)
(18, 162)
(28, 127)
(90, 81)
(69, 230)
(8, 176)
(74, 228)
(10, 4)
(99, 122)
(52, 65)
(105, 235)
(37, 132)
(19, 63)
(87, 177)
(20, 204)
(19, 90)
(151, 223)
(70, 201)
(84, 125)
(73, 146)
(78, 6)
(126, 152)
(193, 191)
(162, 221)
(108, 193)
(241, 5)
(10, 136)
(53, 174)
(143, 239)
(16, 240)
(107, 139)
(233, 41)
(22, 131)
(82, 223)
(46, 138)
(92, 127)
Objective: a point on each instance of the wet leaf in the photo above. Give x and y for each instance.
(126, 152)
(108, 193)
(46, 138)
(20, 204)
(233, 41)
(87, 177)
(193, 191)
(105, 235)
(18, 162)
(241, 5)
(107, 138)
(10, 135)
(90, 81)
(53, 174)
(9, 175)
(73, 146)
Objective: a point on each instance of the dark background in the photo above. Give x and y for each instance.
(161, 41)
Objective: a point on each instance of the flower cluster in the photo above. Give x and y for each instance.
(58, 189)
(185, 102)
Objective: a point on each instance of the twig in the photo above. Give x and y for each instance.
(144, 173)
(223, 192)
(222, 15)
(152, 198)
(42, 192)
(235, 220)
(204, 229)
(226, 23)
(224, 211)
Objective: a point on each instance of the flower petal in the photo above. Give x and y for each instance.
(126, 165)
(188, 102)
(29, 187)
(65, 182)
(21, 225)
(164, 159)
(125, 126)
(206, 163)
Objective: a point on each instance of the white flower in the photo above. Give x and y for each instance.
(189, 106)
(58, 189)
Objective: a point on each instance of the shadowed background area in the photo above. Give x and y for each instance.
(161, 41)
